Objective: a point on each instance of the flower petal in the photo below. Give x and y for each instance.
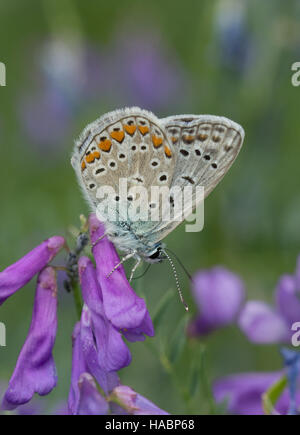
(91, 402)
(106, 379)
(219, 295)
(134, 403)
(35, 371)
(261, 324)
(122, 306)
(78, 367)
(288, 299)
(113, 354)
(244, 392)
(20, 273)
(292, 364)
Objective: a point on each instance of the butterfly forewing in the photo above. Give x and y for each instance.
(127, 144)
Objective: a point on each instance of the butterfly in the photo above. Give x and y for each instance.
(131, 143)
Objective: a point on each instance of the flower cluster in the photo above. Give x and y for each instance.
(110, 313)
(220, 298)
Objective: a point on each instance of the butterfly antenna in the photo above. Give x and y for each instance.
(177, 281)
(181, 264)
(132, 254)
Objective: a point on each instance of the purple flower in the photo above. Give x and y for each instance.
(288, 299)
(35, 371)
(111, 309)
(91, 402)
(292, 364)
(151, 76)
(134, 403)
(262, 323)
(113, 353)
(20, 273)
(244, 392)
(219, 295)
(123, 308)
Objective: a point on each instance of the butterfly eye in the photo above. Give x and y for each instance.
(155, 255)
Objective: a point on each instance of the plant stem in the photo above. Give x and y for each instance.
(77, 298)
(206, 387)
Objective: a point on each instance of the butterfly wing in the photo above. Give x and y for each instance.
(130, 144)
(206, 147)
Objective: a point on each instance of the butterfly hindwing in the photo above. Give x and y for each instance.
(206, 146)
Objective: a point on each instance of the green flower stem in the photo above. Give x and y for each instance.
(77, 298)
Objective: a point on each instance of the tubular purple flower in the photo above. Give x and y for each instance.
(113, 354)
(78, 367)
(244, 392)
(106, 379)
(219, 295)
(20, 273)
(262, 324)
(133, 403)
(35, 370)
(91, 402)
(125, 310)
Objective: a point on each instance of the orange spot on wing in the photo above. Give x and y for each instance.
(105, 145)
(83, 165)
(130, 129)
(188, 138)
(157, 141)
(118, 135)
(92, 157)
(174, 139)
(168, 152)
(143, 130)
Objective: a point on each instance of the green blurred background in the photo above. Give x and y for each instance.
(70, 61)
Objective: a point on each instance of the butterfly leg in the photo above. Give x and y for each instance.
(98, 240)
(130, 255)
(134, 268)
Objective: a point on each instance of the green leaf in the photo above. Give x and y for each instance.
(271, 396)
(194, 379)
(161, 308)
